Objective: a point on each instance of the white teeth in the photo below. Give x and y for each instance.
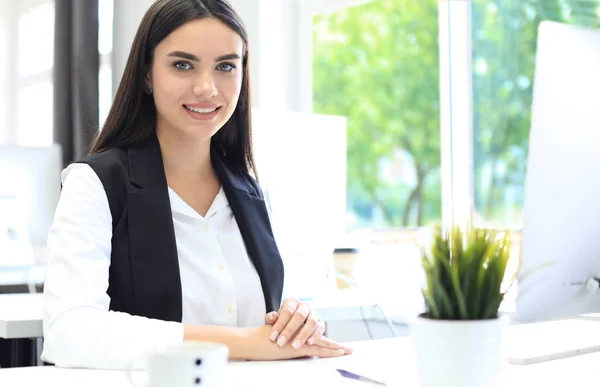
(200, 110)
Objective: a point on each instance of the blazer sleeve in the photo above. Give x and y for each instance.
(79, 329)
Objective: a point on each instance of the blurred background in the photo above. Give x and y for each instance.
(403, 113)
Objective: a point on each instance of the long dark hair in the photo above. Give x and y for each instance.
(132, 117)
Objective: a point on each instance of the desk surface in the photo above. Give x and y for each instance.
(389, 360)
(20, 315)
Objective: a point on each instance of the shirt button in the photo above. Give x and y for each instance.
(221, 267)
(205, 227)
(229, 309)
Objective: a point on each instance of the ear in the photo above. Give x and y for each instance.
(148, 90)
(148, 78)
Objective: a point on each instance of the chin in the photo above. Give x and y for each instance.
(201, 131)
(200, 134)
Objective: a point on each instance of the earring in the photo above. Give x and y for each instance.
(148, 90)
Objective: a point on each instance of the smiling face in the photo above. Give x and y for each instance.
(196, 77)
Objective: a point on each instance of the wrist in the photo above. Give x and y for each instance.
(240, 344)
(236, 339)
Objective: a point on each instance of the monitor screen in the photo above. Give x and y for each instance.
(30, 180)
(561, 231)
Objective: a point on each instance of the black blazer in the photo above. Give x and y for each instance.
(144, 277)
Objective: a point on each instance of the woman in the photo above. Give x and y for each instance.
(161, 233)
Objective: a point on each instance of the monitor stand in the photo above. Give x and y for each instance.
(530, 343)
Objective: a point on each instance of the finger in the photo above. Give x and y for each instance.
(315, 350)
(271, 318)
(318, 333)
(286, 312)
(294, 325)
(309, 328)
(326, 342)
(314, 338)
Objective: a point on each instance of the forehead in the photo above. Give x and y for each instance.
(204, 37)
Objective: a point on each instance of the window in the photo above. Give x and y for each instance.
(377, 64)
(504, 36)
(33, 72)
(26, 76)
(5, 69)
(504, 46)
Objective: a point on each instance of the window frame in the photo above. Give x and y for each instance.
(456, 112)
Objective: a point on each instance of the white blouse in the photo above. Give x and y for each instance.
(220, 285)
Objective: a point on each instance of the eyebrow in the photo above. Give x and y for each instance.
(194, 58)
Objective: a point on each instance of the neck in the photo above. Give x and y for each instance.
(185, 159)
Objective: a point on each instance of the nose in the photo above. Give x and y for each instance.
(204, 86)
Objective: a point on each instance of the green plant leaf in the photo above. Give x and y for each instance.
(491, 310)
(433, 310)
(443, 299)
(464, 272)
(452, 269)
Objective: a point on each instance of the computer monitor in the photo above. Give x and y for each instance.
(30, 188)
(560, 252)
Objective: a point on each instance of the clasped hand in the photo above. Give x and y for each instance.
(296, 324)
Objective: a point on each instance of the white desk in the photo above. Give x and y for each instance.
(389, 360)
(20, 316)
(20, 321)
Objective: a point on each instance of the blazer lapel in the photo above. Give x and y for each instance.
(153, 249)
(251, 215)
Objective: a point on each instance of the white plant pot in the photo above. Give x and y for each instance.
(457, 353)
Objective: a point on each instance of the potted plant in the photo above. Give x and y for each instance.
(458, 337)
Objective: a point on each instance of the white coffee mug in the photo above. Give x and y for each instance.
(189, 364)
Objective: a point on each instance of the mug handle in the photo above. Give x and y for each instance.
(130, 376)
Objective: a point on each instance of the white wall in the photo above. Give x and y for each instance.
(279, 33)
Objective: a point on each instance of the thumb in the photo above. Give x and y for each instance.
(271, 318)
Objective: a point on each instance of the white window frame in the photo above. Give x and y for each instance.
(456, 112)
